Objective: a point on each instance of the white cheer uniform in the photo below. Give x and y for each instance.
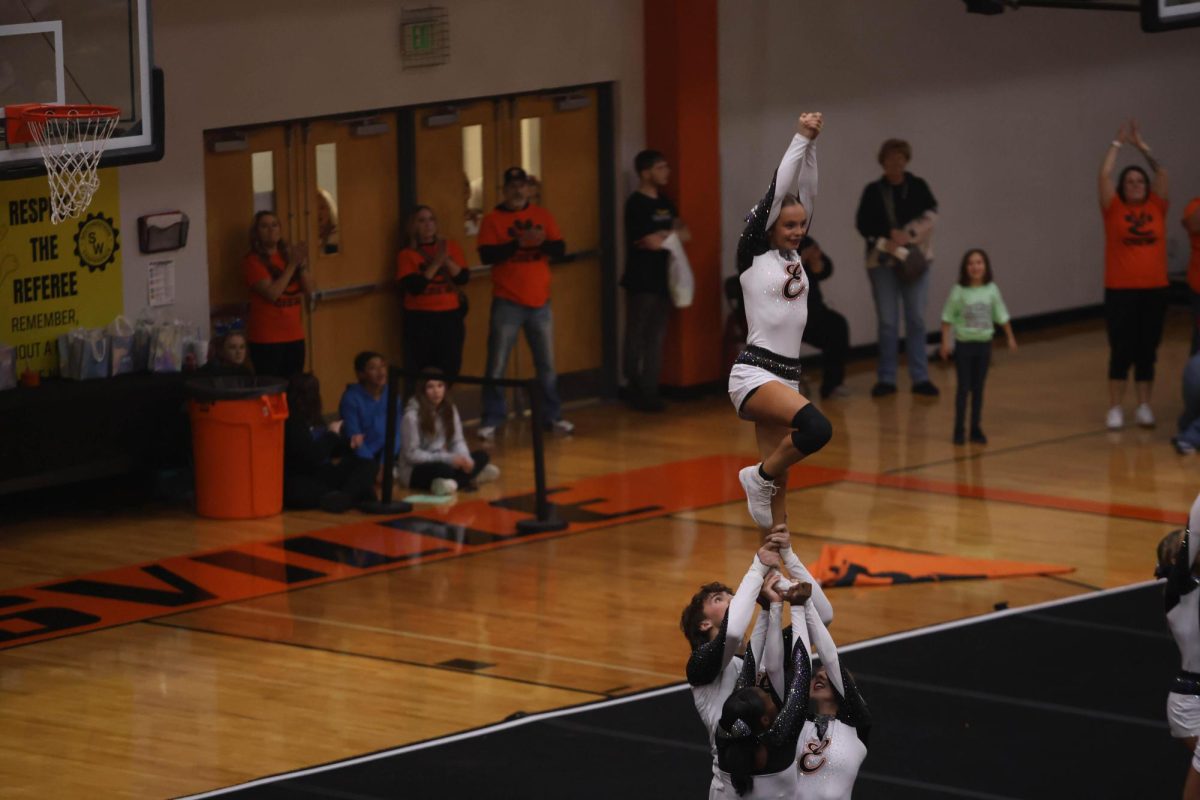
(1183, 618)
(780, 781)
(828, 760)
(774, 284)
(713, 667)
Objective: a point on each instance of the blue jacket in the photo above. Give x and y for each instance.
(363, 414)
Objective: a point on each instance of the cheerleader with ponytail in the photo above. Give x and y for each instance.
(764, 381)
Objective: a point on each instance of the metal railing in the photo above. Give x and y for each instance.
(359, 289)
(544, 519)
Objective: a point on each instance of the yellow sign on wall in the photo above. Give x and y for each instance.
(56, 277)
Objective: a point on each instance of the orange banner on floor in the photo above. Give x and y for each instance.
(860, 565)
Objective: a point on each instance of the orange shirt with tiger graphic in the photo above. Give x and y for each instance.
(524, 277)
(441, 293)
(1135, 244)
(272, 323)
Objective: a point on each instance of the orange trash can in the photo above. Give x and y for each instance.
(237, 445)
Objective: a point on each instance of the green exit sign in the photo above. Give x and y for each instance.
(424, 37)
(419, 37)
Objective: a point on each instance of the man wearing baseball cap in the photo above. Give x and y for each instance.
(518, 239)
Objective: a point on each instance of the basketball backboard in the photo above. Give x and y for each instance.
(96, 52)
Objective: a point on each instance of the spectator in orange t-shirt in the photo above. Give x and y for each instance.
(1191, 223)
(430, 270)
(279, 281)
(1135, 274)
(519, 239)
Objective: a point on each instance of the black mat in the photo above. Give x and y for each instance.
(1061, 702)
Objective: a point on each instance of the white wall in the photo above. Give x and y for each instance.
(232, 62)
(1008, 117)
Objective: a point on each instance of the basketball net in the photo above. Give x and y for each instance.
(72, 139)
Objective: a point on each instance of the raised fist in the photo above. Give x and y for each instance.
(810, 123)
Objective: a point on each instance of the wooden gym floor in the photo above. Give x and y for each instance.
(445, 635)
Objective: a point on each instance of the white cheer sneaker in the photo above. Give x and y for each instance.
(758, 495)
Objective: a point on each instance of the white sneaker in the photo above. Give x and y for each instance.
(563, 427)
(489, 473)
(443, 486)
(758, 495)
(1144, 416)
(1115, 419)
(486, 432)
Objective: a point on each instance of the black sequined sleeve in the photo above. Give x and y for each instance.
(786, 728)
(710, 658)
(706, 662)
(1192, 546)
(854, 711)
(1181, 580)
(749, 674)
(796, 174)
(753, 241)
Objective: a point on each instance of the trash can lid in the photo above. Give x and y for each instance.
(233, 387)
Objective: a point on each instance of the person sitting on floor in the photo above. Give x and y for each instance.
(435, 455)
(319, 468)
(364, 411)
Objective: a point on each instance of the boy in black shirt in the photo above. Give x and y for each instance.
(650, 217)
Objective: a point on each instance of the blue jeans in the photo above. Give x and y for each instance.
(1195, 303)
(508, 319)
(1189, 421)
(889, 292)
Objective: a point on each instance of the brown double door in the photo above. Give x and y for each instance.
(461, 154)
(333, 185)
(458, 155)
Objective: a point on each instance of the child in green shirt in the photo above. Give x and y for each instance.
(973, 309)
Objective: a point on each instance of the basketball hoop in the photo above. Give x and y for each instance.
(72, 138)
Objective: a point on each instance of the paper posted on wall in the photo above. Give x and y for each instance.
(160, 279)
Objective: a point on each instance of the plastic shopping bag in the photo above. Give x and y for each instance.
(94, 354)
(64, 355)
(679, 272)
(166, 348)
(195, 352)
(121, 335)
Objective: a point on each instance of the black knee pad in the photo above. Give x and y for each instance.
(813, 430)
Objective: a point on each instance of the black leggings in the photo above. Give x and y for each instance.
(1134, 319)
(971, 359)
(423, 475)
(278, 359)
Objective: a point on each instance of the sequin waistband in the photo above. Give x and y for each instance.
(782, 366)
(1186, 683)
